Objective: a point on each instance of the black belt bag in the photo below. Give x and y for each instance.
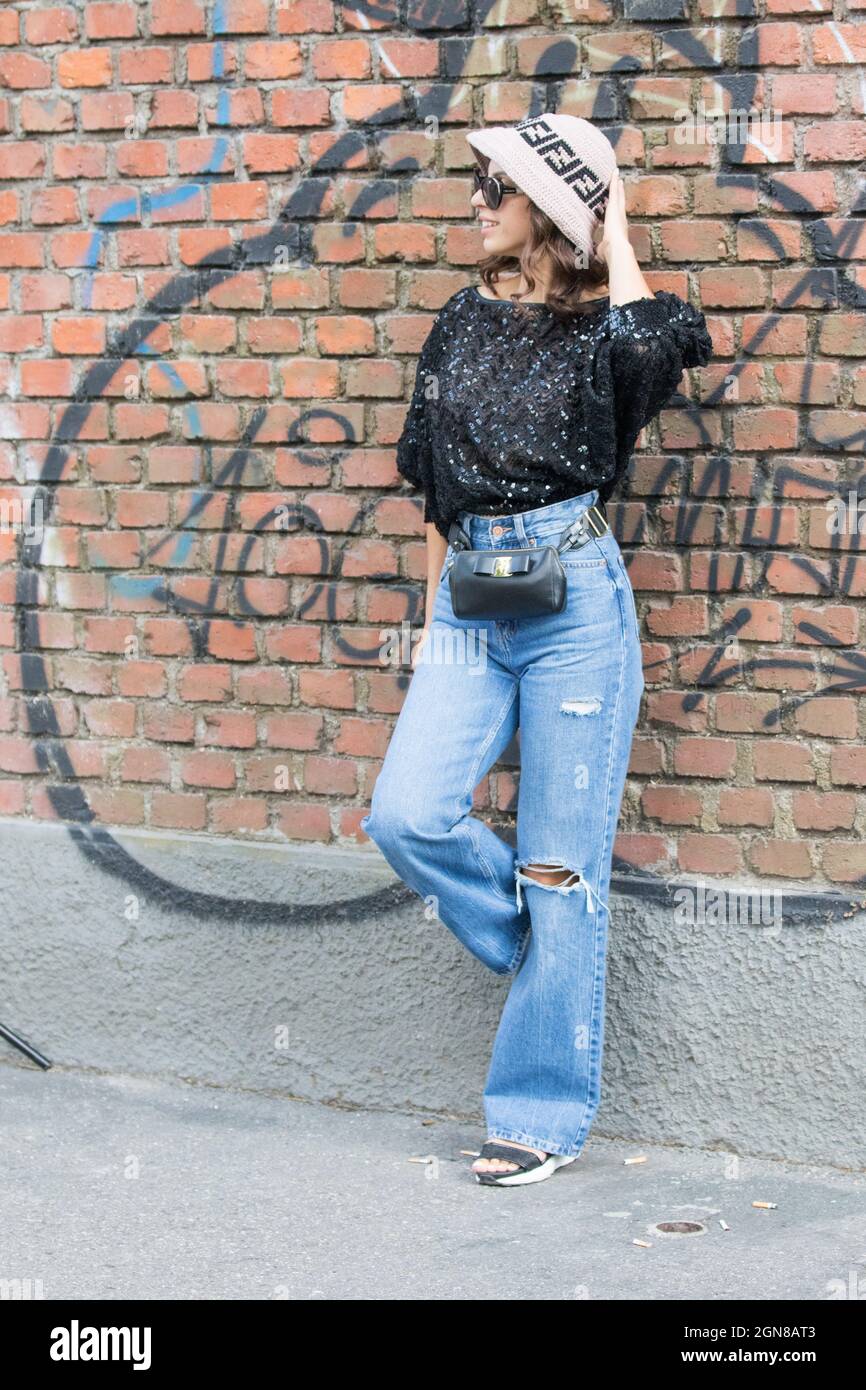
(522, 583)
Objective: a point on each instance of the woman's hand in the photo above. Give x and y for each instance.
(624, 276)
(615, 227)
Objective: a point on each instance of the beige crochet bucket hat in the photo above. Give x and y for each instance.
(562, 163)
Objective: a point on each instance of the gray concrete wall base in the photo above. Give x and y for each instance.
(313, 972)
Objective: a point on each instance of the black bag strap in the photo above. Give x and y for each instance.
(457, 537)
(592, 522)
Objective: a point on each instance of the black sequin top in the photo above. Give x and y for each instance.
(513, 410)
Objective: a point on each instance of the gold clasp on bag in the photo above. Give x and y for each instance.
(502, 564)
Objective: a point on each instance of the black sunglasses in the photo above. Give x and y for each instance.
(493, 189)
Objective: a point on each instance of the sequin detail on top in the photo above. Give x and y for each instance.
(513, 408)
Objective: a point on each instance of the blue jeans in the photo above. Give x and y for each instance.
(572, 682)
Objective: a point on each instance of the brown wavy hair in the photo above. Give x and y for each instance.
(568, 283)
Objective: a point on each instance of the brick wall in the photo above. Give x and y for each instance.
(225, 229)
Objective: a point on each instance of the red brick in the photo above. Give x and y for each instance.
(341, 59)
(367, 289)
(83, 67)
(746, 806)
(374, 379)
(441, 198)
(50, 26)
(312, 377)
(266, 61)
(823, 810)
(302, 820)
(781, 859)
(404, 241)
(305, 17)
(844, 861)
(369, 104)
(406, 57)
(25, 71)
(299, 107)
(344, 335)
(709, 854)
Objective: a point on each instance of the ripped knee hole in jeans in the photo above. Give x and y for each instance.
(567, 880)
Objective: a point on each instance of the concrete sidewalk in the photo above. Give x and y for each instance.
(122, 1187)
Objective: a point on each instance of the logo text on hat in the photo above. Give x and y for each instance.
(563, 161)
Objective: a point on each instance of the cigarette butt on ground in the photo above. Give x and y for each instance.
(724, 1225)
(645, 1244)
(642, 1158)
(767, 1206)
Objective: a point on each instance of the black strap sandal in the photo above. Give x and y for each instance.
(530, 1168)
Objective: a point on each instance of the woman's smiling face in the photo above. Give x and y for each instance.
(505, 230)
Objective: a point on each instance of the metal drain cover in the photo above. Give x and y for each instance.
(679, 1228)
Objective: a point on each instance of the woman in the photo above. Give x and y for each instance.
(528, 398)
